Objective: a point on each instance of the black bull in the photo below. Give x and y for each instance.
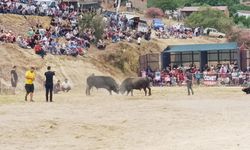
(129, 84)
(246, 90)
(102, 82)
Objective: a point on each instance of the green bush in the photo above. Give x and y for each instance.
(92, 21)
(126, 59)
(210, 18)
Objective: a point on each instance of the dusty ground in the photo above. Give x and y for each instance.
(214, 118)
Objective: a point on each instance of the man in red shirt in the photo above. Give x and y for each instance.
(38, 50)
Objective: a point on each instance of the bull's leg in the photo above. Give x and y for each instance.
(132, 94)
(87, 90)
(128, 92)
(145, 91)
(110, 92)
(149, 91)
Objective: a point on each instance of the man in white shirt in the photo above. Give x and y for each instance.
(139, 40)
(69, 35)
(66, 86)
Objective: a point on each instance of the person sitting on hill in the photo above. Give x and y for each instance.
(10, 37)
(22, 43)
(66, 87)
(2, 36)
(57, 87)
(31, 32)
(39, 50)
(101, 44)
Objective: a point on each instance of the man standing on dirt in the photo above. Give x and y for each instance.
(189, 77)
(49, 83)
(29, 86)
(14, 79)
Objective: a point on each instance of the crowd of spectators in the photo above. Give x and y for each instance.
(7, 36)
(119, 28)
(222, 74)
(178, 31)
(28, 7)
(64, 23)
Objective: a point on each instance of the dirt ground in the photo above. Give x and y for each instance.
(213, 118)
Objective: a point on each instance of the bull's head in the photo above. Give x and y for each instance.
(116, 88)
(122, 89)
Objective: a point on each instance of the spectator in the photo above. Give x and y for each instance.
(14, 79)
(198, 76)
(29, 86)
(22, 43)
(101, 44)
(66, 87)
(139, 40)
(57, 87)
(38, 50)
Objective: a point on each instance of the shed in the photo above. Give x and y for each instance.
(186, 11)
(200, 54)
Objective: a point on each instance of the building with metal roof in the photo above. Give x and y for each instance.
(201, 47)
(243, 13)
(201, 54)
(186, 11)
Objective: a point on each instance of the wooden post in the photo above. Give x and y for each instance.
(118, 6)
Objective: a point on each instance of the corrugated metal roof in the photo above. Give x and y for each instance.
(244, 12)
(223, 8)
(202, 47)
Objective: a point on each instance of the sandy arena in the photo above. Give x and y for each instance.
(215, 118)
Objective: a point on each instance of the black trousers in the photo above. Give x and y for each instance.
(49, 92)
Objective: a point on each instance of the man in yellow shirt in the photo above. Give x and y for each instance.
(29, 86)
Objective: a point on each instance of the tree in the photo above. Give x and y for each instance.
(210, 18)
(163, 4)
(154, 12)
(239, 35)
(92, 21)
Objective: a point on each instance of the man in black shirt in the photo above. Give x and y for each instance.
(14, 79)
(49, 83)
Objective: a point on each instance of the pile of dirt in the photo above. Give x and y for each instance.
(125, 56)
(76, 70)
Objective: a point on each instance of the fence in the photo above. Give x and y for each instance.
(215, 79)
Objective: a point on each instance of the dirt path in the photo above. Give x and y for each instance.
(214, 118)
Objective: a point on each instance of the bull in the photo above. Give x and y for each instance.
(105, 82)
(129, 84)
(246, 90)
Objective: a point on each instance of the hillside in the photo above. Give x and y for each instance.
(19, 24)
(75, 69)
